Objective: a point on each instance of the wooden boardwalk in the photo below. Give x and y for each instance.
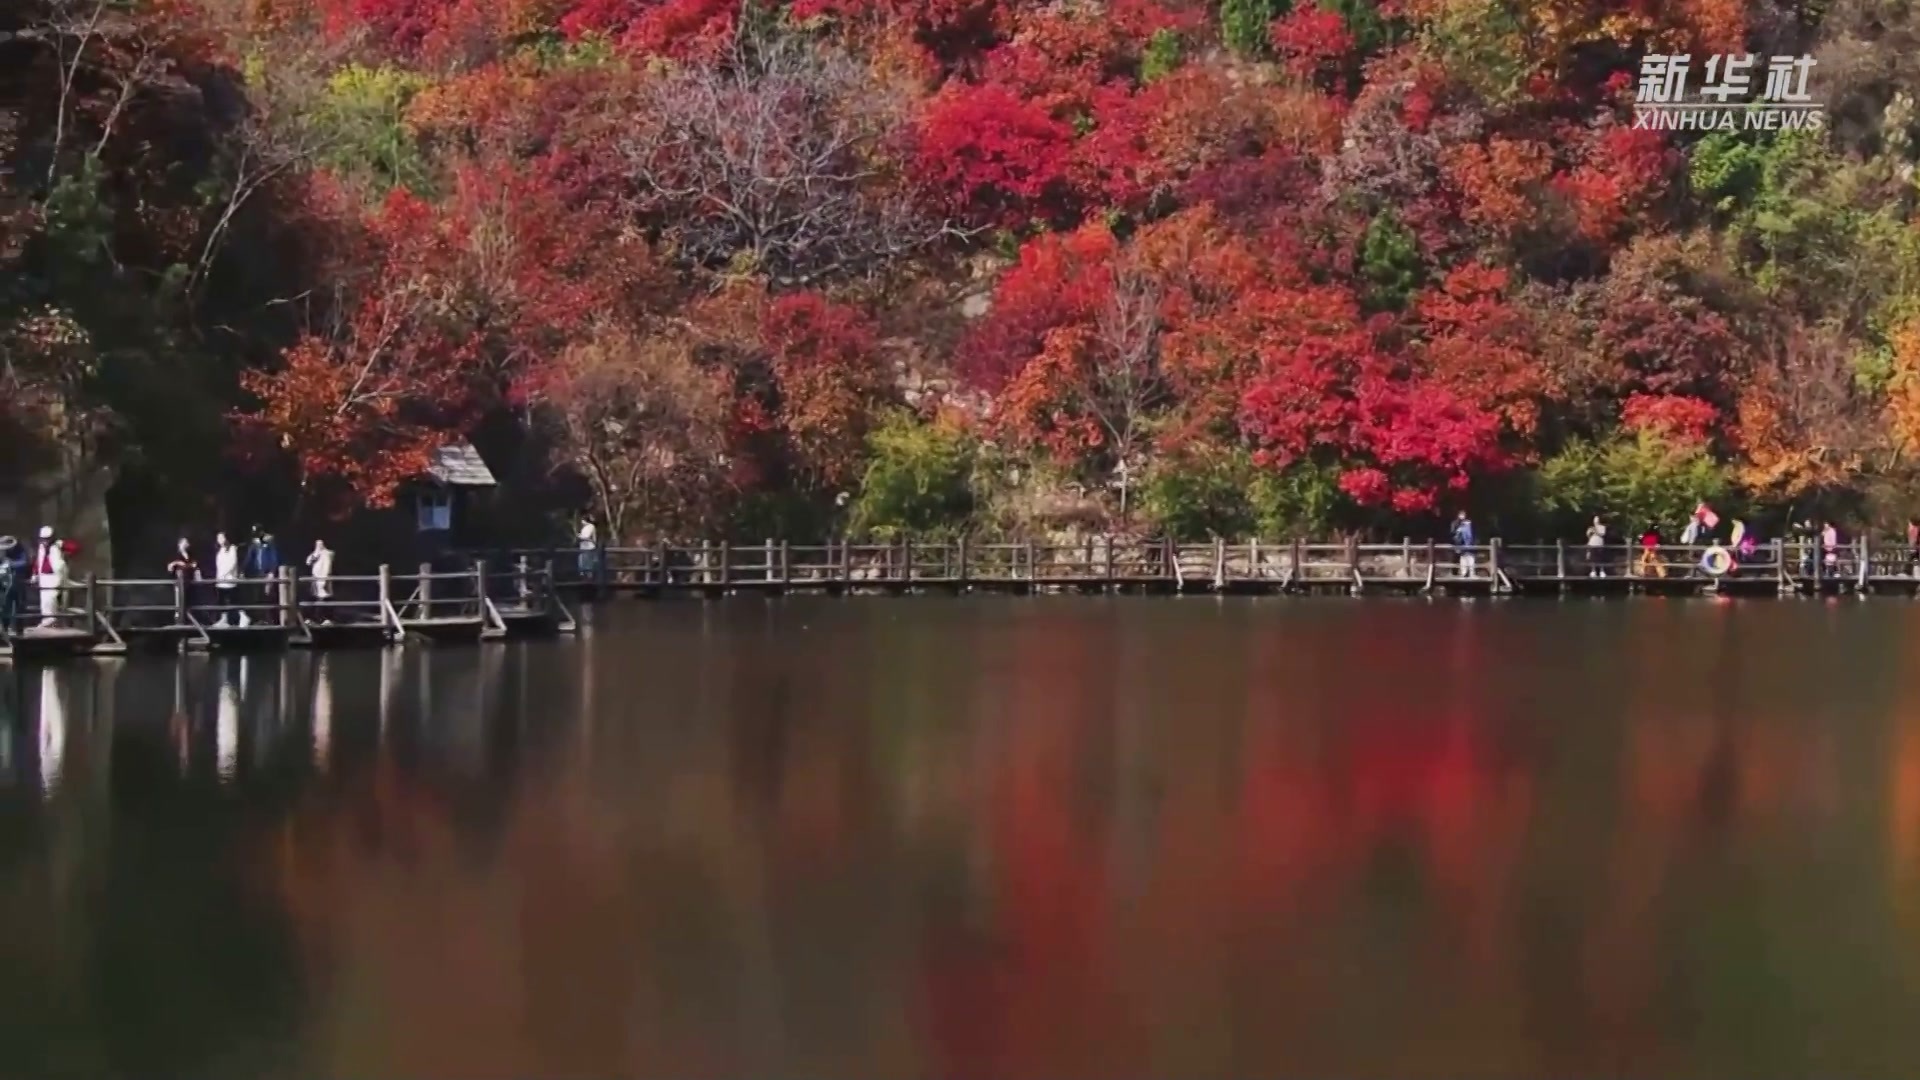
(1103, 564)
(112, 617)
(108, 617)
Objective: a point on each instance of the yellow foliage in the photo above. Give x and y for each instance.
(1903, 388)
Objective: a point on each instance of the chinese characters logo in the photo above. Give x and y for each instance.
(1725, 101)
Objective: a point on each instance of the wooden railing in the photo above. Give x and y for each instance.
(108, 610)
(1218, 564)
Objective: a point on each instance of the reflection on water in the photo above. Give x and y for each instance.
(983, 838)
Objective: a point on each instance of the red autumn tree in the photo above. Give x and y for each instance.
(360, 410)
(831, 385)
(994, 158)
(1327, 390)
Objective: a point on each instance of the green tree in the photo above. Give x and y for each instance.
(1390, 263)
(1244, 24)
(1160, 57)
(1638, 480)
(362, 117)
(919, 479)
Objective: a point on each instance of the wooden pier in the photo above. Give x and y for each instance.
(479, 604)
(111, 617)
(1157, 565)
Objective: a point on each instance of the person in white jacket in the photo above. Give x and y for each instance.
(589, 548)
(226, 577)
(320, 570)
(49, 573)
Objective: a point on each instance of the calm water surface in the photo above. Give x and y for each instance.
(984, 838)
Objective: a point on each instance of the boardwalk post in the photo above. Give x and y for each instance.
(93, 602)
(786, 564)
(1406, 556)
(1219, 563)
(1353, 555)
(1253, 559)
(1560, 559)
(386, 592)
(1866, 561)
(1780, 564)
(1028, 547)
(906, 559)
(480, 587)
(1818, 559)
(1493, 562)
(1299, 558)
(180, 587)
(1087, 567)
(289, 592)
(726, 564)
(1168, 557)
(599, 566)
(520, 589)
(960, 555)
(426, 590)
(766, 561)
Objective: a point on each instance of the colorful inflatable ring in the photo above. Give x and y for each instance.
(1717, 561)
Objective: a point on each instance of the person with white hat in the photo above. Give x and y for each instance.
(49, 573)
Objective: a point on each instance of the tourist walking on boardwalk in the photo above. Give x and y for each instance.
(1597, 548)
(1650, 564)
(184, 572)
(1830, 547)
(1913, 547)
(13, 583)
(1746, 543)
(263, 565)
(226, 579)
(589, 548)
(320, 569)
(49, 575)
(1463, 543)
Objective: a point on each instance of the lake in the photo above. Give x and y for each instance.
(984, 838)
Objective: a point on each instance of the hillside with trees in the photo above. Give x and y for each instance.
(796, 267)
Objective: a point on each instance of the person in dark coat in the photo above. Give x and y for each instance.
(13, 582)
(263, 565)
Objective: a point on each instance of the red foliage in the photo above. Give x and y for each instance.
(1626, 170)
(447, 309)
(1311, 41)
(954, 31)
(1480, 347)
(1327, 390)
(993, 158)
(1054, 283)
(830, 383)
(1683, 419)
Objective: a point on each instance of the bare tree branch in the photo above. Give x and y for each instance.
(775, 161)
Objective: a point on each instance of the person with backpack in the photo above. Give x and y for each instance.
(1462, 535)
(263, 565)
